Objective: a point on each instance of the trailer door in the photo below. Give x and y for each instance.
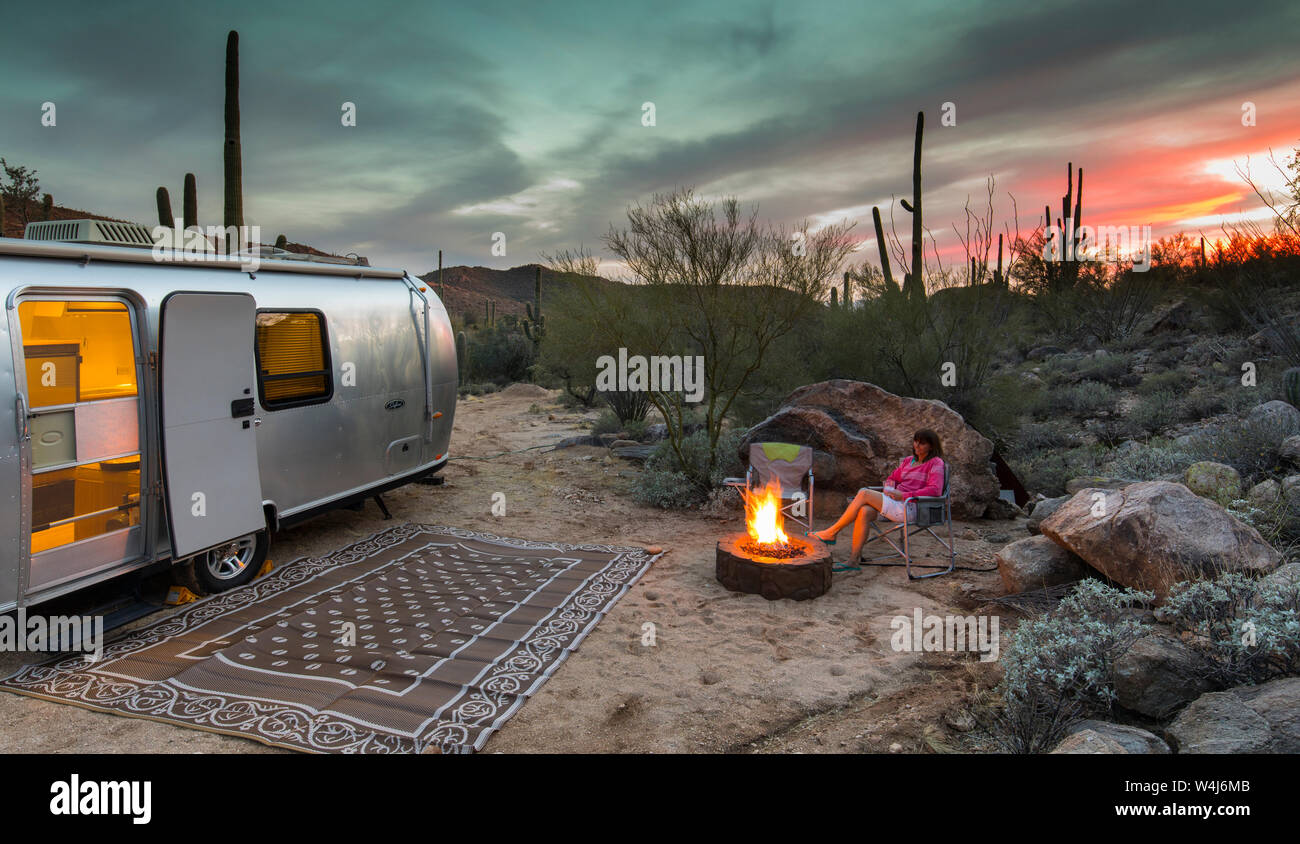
(207, 377)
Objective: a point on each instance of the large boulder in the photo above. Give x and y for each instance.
(1159, 675)
(1275, 413)
(1089, 742)
(866, 431)
(1037, 562)
(1153, 534)
(1215, 481)
(1247, 719)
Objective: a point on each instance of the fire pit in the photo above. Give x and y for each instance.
(765, 561)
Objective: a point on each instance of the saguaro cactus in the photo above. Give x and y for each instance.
(462, 356)
(1291, 380)
(165, 217)
(835, 300)
(883, 248)
(442, 291)
(490, 313)
(191, 201)
(2, 215)
(535, 324)
(233, 213)
(848, 290)
(914, 282)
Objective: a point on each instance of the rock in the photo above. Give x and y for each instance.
(1095, 482)
(998, 538)
(608, 439)
(633, 452)
(1287, 576)
(624, 444)
(652, 550)
(570, 442)
(1133, 739)
(1291, 489)
(1278, 703)
(1044, 352)
(1290, 449)
(1246, 719)
(837, 670)
(960, 720)
(1177, 317)
(1277, 413)
(1089, 741)
(1042, 510)
(655, 433)
(1002, 510)
(1264, 494)
(651, 596)
(895, 748)
(709, 678)
(1159, 675)
(1215, 481)
(1152, 534)
(866, 431)
(1037, 562)
(971, 536)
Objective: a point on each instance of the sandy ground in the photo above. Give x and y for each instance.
(726, 672)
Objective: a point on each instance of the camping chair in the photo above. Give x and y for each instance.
(931, 512)
(789, 465)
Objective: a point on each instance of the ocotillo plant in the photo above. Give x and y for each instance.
(535, 324)
(47, 207)
(165, 217)
(191, 201)
(914, 282)
(1291, 380)
(233, 214)
(462, 356)
(884, 250)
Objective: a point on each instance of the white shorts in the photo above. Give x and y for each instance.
(892, 509)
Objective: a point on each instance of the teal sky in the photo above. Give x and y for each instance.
(526, 118)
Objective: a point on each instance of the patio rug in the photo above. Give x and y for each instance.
(418, 638)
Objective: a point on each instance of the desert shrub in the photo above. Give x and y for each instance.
(1152, 461)
(1278, 522)
(1039, 436)
(1048, 471)
(1155, 411)
(1111, 431)
(1252, 447)
(1246, 630)
(1059, 669)
(477, 389)
(606, 423)
(1174, 381)
(1203, 402)
(1108, 369)
(666, 483)
(500, 354)
(1087, 398)
(636, 428)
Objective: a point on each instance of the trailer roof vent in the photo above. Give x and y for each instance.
(103, 232)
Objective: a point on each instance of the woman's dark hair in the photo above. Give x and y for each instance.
(931, 439)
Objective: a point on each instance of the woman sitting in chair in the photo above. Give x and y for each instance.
(920, 475)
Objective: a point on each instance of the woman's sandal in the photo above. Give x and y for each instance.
(845, 567)
(809, 533)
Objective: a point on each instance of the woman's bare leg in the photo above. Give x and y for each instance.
(860, 527)
(865, 498)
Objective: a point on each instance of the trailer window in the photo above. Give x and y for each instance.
(77, 351)
(292, 365)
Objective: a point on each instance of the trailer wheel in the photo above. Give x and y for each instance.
(227, 566)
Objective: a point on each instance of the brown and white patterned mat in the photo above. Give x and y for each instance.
(419, 637)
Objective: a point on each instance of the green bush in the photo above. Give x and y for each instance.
(1048, 471)
(1174, 381)
(500, 354)
(1059, 669)
(1087, 398)
(1155, 411)
(1247, 631)
(1252, 447)
(665, 484)
(1151, 461)
(606, 423)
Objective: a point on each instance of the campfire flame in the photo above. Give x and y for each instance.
(763, 516)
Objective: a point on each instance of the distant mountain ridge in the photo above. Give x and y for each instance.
(468, 288)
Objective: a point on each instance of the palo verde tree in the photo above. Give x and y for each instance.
(710, 280)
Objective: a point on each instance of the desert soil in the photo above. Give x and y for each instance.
(726, 673)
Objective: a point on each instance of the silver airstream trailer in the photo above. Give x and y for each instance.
(181, 410)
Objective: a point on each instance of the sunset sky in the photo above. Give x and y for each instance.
(525, 118)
